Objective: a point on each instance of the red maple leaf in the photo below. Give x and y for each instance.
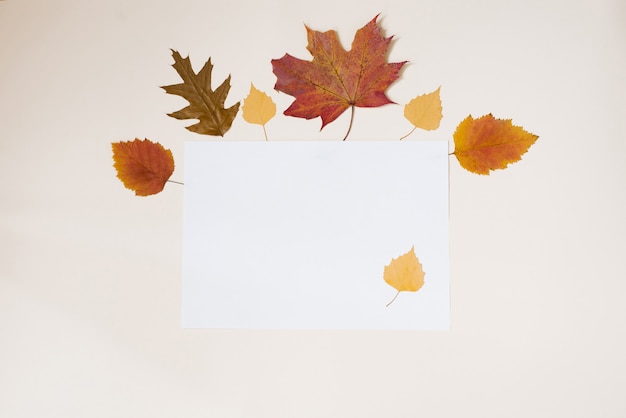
(336, 79)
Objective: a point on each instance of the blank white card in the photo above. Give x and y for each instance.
(296, 235)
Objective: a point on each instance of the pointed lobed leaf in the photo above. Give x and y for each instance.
(487, 143)
(258, 107)
(425, 111)
(337, 79)
(205, 104)
(143, 166)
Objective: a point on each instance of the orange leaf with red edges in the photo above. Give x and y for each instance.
(336, 79)
(488, 143)
(143, 166)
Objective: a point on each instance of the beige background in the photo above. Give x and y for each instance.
(90, 276)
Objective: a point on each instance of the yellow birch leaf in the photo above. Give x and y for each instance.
(258, 107)
(404, 273)
(425, 111)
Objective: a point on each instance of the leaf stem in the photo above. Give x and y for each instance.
(351, 120)
(394, 298)
(177, 182)
(265, 133)
(412, 130)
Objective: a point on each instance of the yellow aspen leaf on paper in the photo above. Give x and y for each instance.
(404, 273)
(258, 108)
(205, 104)
(424, 112)
(488, 143)
(143, 166)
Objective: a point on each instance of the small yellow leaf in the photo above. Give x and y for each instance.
(425, 111)
(404, 273)
(258, 107)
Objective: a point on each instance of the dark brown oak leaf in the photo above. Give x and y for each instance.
(205, 104)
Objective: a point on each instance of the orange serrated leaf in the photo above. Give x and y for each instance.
(336, 79)
(488, 143)
(205, 104)
(404, 273)
(143, 166)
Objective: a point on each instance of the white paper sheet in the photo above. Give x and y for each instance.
(296, 235)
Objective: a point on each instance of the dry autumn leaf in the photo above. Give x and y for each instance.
(424, 112)
(488, 143)
(205, 104)
(258, 108)
(336, 79)
(143, 166)
(404, 274)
